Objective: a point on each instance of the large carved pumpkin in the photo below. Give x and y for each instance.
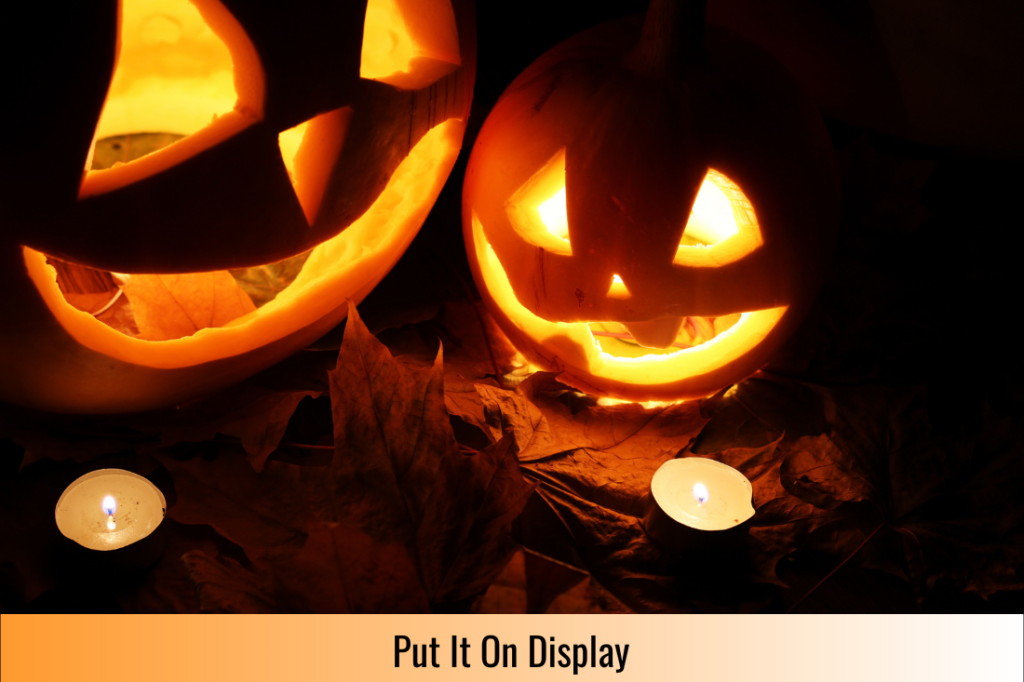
(308, 140)
(650, 210)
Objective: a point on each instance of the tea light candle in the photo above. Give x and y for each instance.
(697, 502)
(110, 509)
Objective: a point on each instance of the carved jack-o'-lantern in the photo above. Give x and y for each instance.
(650, 210)
(165, 159)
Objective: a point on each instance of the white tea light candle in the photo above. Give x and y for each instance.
(109, 509)
(692, 495)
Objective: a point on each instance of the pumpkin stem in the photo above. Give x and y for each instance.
(672, 37)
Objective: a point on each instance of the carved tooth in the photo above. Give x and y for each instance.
(657, 333)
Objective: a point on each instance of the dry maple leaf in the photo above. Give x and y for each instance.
(397, 476)
(757, 411)
(165, 587)
(618, 553)
(951, 494)
(532, 583)
(410, 480)
(175, 306)
(256, 416)
(322, 578)
(542, 425)
(594, 467)
(263, 283)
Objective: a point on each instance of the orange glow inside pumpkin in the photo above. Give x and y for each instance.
(187, 77)
(184, 68)
(387, 47)
(173, 74)
(722, 228)
(309, 151)
(347, 265)
(409, 43)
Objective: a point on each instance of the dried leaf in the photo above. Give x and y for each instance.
(950, 492)
(91, 302)
(396, 475)
(174, 306)
(463, 539)
(340, 570)
(120, 317)
(782, 524)
(257, 417)
(532, 583)
(619, 554)
(165, 587)
(266, 512)
(756, 411)
(543, 426)
(547, 580)
(411, 482)
(263, 283)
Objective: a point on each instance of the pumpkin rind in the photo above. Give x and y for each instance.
(230, 204)
(637, 147)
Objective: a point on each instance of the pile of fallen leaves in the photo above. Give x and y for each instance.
(423, 467)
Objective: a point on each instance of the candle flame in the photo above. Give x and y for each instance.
(109, 505)
(700, 493)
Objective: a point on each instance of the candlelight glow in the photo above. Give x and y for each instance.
(109, 505)
(555, 216)
(700, 493)
(713, 218)
(143, 510)
(173, 74)
(720, 229)
(409, 44)
(618, 289)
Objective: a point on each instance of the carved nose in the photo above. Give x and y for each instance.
(618, 289)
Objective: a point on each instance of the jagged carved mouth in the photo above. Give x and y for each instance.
(658, 337)
(611, 350)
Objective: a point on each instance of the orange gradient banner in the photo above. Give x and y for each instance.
(334, 648)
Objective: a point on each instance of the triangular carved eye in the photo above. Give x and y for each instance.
(537, 210)
(173, 74)
(722, 226)
(409, 44)
(309, 151)
(182, 68)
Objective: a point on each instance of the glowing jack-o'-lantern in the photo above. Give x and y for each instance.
(218, 137)
(649, 210)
